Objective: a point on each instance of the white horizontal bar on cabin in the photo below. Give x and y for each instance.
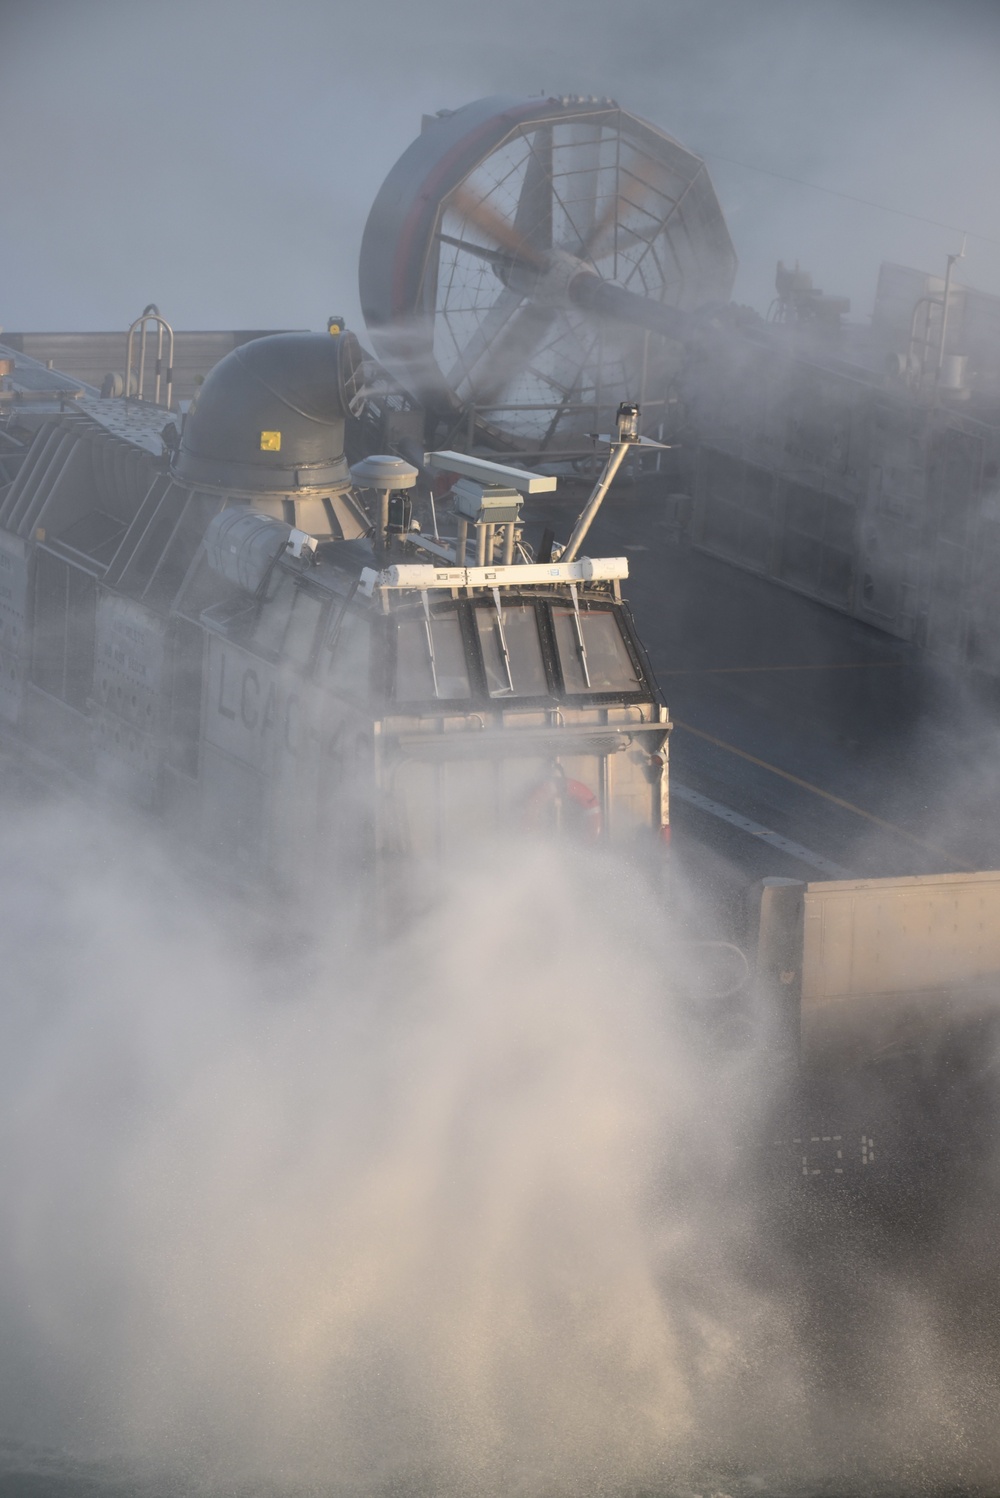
(519, 575)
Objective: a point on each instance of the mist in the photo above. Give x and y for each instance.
(221, 158)
(313, 1212)
(475, 1207)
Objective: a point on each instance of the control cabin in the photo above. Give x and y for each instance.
(219, 620)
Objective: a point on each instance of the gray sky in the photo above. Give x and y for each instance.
(220, 157)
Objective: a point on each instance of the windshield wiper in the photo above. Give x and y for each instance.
(505, 657)
(430, 643)
(581, 647)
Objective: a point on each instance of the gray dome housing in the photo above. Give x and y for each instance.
(270, 416)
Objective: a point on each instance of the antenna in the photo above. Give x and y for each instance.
(626, 436)
(946, 303)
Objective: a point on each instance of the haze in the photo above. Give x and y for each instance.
(220, 158)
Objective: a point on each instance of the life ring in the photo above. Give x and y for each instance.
(558, 790)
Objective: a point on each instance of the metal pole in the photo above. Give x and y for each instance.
(508, 543)
(159, 360)
(142, 359)
(645, 370)
(170, 366)
(944, 309)
(637, 462)
(128, 361)
(617, 453)
(383, 524)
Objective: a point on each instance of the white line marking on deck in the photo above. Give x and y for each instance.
(754, 829)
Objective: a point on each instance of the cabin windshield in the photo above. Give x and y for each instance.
(430, 658)
(275, 612)
(505, 647)
(592, 652)
(348, 653)
(300, 635)
(512, 651)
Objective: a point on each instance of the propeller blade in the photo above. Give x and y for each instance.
(622, 306)
(579, 153)
(491, 223)
(635, 189)
(482, 340)
(511, 352)
(533, 218)
(499, 258)
(601, 224)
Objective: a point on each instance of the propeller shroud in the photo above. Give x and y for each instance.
(520, 253)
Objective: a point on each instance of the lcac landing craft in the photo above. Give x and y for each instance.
(225, 622)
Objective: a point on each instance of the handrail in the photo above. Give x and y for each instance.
(151, 314)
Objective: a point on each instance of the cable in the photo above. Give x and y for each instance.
(850, 197)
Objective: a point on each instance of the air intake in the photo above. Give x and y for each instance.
(269, 419)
